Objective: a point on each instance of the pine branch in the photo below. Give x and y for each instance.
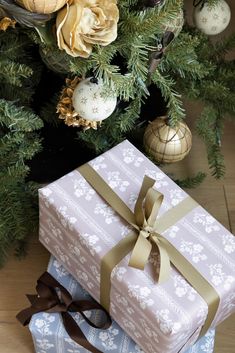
(13, 72)
(216, 161)
(193, 182)
(122, 85)
(181, 57)
(127, 120)
(114, 129)
(18, 218)
(174, 103)
(152, 21)
(18, 118)
(14, 45)
(209, 127)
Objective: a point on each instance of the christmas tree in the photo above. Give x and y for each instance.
(68, 65)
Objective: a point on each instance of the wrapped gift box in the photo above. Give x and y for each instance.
(79, 228)
(49, 335)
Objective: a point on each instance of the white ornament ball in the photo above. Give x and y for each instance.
(91, 102)
(212, 20)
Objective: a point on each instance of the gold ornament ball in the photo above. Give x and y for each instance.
(167, 144)
(42, 6)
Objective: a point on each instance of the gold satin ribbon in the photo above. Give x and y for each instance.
(146, 234)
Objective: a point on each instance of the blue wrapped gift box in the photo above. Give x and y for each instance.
(49, 335)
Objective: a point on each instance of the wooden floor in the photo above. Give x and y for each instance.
(18, 278)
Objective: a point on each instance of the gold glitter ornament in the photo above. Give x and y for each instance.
(165, 143)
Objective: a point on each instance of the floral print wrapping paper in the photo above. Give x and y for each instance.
(49, 335)
(79, 228)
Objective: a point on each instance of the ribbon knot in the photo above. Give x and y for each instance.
(146, 211)
(54, 298)
(145, 233)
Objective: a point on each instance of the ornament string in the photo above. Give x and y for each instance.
(54, 298)
(200, 3)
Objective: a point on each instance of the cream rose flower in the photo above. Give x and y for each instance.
(86, 22)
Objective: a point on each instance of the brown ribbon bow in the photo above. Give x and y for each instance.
(157, 55)
(54, 298)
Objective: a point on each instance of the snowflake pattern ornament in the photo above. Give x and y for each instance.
(85, 103)
(212, 19)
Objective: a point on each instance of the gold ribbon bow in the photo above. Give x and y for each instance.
(147, 230)
(146, 210)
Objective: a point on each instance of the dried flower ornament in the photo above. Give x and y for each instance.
(84, 23)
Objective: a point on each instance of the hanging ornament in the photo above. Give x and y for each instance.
(211, 19)
(42, 6)
(85, 103)
(165, 143)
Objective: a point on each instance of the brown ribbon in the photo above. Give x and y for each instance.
(54, 298)
(147, 229)
(156, 56)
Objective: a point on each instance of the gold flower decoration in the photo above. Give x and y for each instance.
(6, 22)
(83, 23)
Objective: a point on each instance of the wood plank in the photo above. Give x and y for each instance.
(205, 195)
(225, 336)
(14, 338)
(19, 277)
(230, 199)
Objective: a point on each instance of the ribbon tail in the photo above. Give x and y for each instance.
(140, 253)
(165, 265)
(32, 298)
(25, 315)
(108, 262)
(138, 211)
(76, 333)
